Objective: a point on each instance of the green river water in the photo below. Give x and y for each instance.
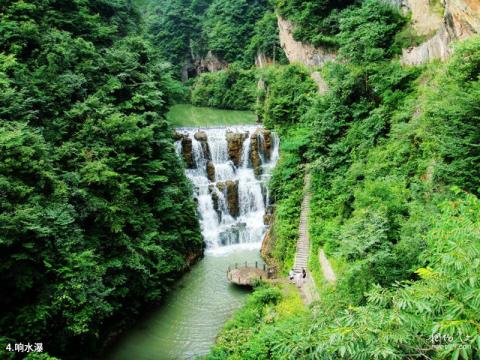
(185, 326)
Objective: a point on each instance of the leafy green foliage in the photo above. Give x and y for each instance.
(435, 316)
(406, 320)
(229, 25)
(367, 33)
(96, 217)
(316, 21)
(286, 93)
(250, 333)
(233, 88)
(265, 40)
(452, 112)
(174, 25)
(361, 29)
(185, 31)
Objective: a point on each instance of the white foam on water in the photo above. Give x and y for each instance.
(223, 232)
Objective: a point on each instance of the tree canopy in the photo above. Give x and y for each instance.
(96, 216)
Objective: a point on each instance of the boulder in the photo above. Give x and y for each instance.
(232, 198)
(267, 218)
(178, 136)
(206, 150)
(255, 154)
(210, 171)
(267, 143)
(201, 136)
(235, 145)
(187, 151)
(230, 191)
(215, 199)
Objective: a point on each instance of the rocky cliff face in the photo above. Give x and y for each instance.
(436, 47)
(321, 84)
(461, 19)
(209, 63)
(298, 52)
(426, 20)
(262, 60)
(235, 146)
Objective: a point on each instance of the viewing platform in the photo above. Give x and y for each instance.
(245, 275)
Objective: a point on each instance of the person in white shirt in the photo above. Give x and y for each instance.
(291, 275)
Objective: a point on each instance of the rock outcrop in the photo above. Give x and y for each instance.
(210, 63)
(426, 20)
(262, 60)
(260, 149)
(255, 149)
(321, 84)
(201, 136)
(255, 154)
(229, 189)
(235, 145)
(298, 52)
(210, 171)
(461, 19)
(178, 136)
(267, 218)
(215, 199)
(267, 143)
(268, 243)
(187, 151)
(436, 47)
(198, 65)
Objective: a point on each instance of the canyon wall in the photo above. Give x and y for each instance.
(303, 53)
(460, 19)
(298, 52)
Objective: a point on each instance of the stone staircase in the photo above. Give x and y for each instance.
(308, 290)
(303, 243)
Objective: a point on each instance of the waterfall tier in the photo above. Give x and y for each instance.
(230, 168)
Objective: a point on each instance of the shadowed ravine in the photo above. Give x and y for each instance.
(229, 169)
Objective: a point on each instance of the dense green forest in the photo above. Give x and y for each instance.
(184, 31)
(96, 216)
(97, 219)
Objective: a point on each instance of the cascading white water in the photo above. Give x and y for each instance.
(232, 201)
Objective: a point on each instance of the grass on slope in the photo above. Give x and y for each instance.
(186, 115)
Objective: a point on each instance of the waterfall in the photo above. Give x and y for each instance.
(229, 169)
